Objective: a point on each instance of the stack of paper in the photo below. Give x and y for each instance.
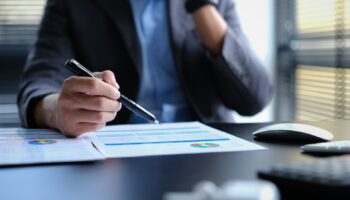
(29, 146)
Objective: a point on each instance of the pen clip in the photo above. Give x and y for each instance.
(79, 70)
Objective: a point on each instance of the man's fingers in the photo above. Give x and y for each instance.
(95, 103)
(108, 77)
(87, 104)
(120, 107)
(94, 116)
(91, 86)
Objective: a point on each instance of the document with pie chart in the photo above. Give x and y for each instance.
(166, 139)
(20, 146)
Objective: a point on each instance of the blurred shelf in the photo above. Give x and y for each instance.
(8, 113)
(7, 99)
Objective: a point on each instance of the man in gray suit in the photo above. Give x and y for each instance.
(182, 60)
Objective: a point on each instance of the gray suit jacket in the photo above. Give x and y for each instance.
(101, 35)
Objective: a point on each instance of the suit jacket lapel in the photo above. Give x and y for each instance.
(121, 14)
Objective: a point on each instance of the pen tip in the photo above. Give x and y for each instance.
(156, 121)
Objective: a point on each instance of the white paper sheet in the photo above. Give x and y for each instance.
(22, 134)
(29, 146)
(165, 139)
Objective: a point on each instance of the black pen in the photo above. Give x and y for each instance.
(79, 70)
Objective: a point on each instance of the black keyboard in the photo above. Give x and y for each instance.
(319, 178)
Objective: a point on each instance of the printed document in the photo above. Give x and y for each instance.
(29, 146)
(166, 139)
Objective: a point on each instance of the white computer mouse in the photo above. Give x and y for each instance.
(293, 132)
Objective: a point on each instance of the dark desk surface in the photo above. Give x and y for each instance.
(150, 177)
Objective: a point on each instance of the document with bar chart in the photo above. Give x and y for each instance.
(166, 139)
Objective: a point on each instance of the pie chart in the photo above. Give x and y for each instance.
(42, 141)
(204, 145)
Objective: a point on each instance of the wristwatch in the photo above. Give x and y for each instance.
(193, 5)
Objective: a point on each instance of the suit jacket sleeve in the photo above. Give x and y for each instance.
(44, 71)
(241, 79)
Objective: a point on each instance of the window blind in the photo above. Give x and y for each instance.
(321, 48)
(19, 21)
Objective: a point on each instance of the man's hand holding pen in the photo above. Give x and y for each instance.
(84, 104)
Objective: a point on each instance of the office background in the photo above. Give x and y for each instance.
(304, 44)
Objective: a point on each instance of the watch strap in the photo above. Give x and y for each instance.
(193, 5)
